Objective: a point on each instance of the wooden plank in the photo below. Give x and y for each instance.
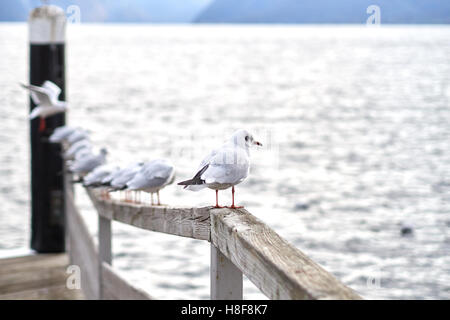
(33, 277)
(33, 258)
(277, 268)
(104, 248)
(104, 240)
(83, 251)
(117, 288)
(59, 292)
(186, 222)
(226, 278)
(87, 263)
(32, 262)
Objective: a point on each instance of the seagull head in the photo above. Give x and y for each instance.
(244, 139)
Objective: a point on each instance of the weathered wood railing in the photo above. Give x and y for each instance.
(240, 244)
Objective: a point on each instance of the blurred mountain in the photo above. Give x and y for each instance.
(324, 11)
(112, 10)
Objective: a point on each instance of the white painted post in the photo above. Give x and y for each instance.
(226, 278)
(104, 248)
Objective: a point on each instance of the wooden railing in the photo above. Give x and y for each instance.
(240, 244)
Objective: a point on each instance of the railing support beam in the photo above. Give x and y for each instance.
(104, 248)
(226, 278)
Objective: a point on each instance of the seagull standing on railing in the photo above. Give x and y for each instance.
(77, 135)
(84, 146)
(60, 134)
(123, 176)
(95, 177)
(86, 164)
(225, 167)
(152, 177)
(46, 100)
(106, 181)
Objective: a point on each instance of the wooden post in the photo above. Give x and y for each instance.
(226, 279)
(47, 35)
(104, 248)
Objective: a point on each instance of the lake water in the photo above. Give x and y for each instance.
(354, 122)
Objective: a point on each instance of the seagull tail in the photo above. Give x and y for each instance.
(79, 180)
(195, 187)
(36, 112)
(114, 189)
(196, 183)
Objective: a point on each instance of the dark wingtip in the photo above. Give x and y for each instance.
(185, 183)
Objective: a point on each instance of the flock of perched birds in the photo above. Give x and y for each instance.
(93, 170)
(221, 169)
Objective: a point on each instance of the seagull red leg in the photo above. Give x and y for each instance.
(232, 205)
(217, 200)
(42, 124)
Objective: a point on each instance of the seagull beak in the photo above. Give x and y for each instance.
(257, 143)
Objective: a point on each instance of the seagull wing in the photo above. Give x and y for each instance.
(36, 112)
(155, 174)
(53, 91)
(39, 95)
(159, 169)
(228, 165)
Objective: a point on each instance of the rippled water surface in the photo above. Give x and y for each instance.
(355, 123)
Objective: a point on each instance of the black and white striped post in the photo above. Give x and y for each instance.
(47, 26)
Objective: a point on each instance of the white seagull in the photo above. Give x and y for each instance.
(60, 134)
(86, 164)
(152, 177)
(84, 146)
(96, 176)
(106, 181)
(46, 100)
(76, 136)
(124, 175)
(224, 167)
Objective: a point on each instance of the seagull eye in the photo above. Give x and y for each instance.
(246, 138)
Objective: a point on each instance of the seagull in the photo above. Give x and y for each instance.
(60, 134)
(86, 164)
(106, 181)
(95, 177)
(78, 147)
(126, 174)
(224, 167)
(121, 178)
(76, 136)
(83, 152)
(152, 177)
(46, 100)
